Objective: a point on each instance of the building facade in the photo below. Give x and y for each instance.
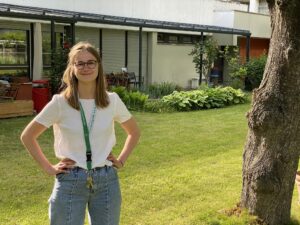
(155, 54)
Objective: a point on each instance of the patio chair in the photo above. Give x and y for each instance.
(11, 92)
(132, 79)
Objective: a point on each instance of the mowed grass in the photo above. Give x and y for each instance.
(186, 170)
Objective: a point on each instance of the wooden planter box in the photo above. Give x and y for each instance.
(16, 108)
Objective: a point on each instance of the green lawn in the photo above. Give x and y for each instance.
(185, 171)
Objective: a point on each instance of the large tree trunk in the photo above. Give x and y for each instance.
(272, 149)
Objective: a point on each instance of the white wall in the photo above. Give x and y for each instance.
(221, 5)
(171, 63)
(224, 18)
(254, 4)
(258, 24)
(187, 11)
(263, 7)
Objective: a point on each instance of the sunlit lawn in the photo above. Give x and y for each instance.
(185, 171)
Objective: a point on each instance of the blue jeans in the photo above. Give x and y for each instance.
(71, 196)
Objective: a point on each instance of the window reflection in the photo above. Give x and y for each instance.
(13, 49)
(13, 52)
(46, 45)
(167, 38)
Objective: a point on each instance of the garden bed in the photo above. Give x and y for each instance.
(10, 108)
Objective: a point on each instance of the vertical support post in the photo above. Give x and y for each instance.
(201, 60)
(53, 42)
(37, 69)
(126, 48)
(100, 43)
(30, 50)
(140, 56)
(72, 33)
(248, 47)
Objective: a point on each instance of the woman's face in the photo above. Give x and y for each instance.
(85, 67)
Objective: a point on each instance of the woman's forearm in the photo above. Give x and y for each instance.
(133, 136)
(35, 151)
(29, 139)
(130, 143)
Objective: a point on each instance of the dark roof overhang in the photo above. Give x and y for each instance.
(25, 12)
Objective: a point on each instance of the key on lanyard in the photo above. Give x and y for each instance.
(89, 182)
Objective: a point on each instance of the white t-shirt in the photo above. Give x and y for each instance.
(68, 131)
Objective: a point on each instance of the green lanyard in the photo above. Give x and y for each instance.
(86, 132)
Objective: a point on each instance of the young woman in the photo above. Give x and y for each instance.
(83, 117)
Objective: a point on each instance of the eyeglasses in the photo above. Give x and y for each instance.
(91, 64)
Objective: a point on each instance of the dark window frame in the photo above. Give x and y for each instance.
(168, 38)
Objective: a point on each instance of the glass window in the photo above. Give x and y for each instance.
(46, 45)
(177, 38)
(13, 47)
(160, 38)
(173, 39)
(186, 39)
(13, 52)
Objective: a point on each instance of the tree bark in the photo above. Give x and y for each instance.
(271, 153)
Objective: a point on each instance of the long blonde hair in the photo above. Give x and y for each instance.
(69, 78)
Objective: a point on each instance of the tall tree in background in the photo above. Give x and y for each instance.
(272, 149)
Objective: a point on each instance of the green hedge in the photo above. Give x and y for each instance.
(158, 106)
(158, 90)
(134, 100)
(181, 101)
(204, 99)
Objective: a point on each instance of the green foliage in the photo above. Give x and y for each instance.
(236, 68)
(209, 50)
(134, 100)
(121, 91)
(13, 73)
(13, 36)
(13, 40)
(203, 86)
(249, 74)
(237, 83)
(204, 99)
(13, 58)
(157, 106)
(59, 64)
(255, 71)
(158, 90)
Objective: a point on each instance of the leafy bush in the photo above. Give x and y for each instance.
(204, 99)
(158, 90)
(157, 106)
(237, 83)
(244, 75)
(134, 100)
(59, 64)
(210, 50)
(255, 71)
(121, 91)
